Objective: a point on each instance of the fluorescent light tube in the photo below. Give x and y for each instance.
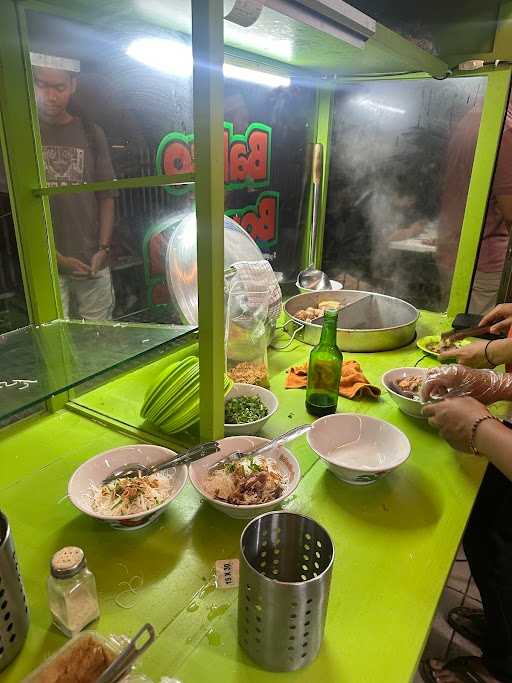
(175, 58)
(259, 77)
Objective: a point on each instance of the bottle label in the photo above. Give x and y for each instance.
(325, 375)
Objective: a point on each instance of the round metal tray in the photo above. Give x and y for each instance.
(369, 321)
(181, 261)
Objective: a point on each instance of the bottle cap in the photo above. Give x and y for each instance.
(67, 562)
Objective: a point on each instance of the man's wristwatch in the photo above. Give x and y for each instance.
(105, 248)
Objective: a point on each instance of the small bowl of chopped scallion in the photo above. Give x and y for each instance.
(247, 408)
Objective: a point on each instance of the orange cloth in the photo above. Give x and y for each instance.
(353, 383)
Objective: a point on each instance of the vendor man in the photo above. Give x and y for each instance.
(76, 151)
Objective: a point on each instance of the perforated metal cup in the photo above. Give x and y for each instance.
(285, 574)
(13, 604)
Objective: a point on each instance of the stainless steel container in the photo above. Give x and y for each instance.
(13, 603)
(369, 321)
(285, 573)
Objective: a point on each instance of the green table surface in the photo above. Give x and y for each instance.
(395, 541)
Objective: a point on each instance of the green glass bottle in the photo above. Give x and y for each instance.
(324, 371)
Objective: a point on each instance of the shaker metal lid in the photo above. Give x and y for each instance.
(67, 562)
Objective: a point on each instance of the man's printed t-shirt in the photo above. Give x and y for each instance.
(72, 156)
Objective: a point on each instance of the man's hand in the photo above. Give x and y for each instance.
(99, 261)
(454, 418)
(472, 356)
(500, 318)
(73, 266)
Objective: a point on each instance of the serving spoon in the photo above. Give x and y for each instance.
(278, 441)
(135, 469)
(123, 662)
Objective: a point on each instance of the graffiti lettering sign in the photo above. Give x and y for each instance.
(247, 164)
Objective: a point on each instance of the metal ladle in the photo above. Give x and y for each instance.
(311, 277)
(135, 469)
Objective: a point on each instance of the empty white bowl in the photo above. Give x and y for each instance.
(287, 463)
(94, 471)
(266, 397)
(358, 449)
(409, 406)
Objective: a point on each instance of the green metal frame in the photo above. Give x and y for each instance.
(31, 215)
(208, 51)
(323, 135)
(322, 128)
(122, 184)
(489, 135)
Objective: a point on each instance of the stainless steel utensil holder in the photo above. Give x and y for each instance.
(13, 604)
(285, 573)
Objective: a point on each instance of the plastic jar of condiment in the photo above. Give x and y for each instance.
(72, 591)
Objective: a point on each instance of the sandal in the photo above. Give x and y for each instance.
(470, 623)
(462, 666)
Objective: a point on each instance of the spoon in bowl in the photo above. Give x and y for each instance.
(275, 443)
(135, 469)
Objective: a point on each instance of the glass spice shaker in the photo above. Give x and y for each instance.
(72, 592)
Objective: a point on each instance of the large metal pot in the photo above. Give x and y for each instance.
(369, 321)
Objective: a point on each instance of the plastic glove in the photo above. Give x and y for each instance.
(457, 380)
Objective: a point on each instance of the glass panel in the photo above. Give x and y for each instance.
(39, 361)
(13, 308)
(268, 194)
(128, 279)
(495, 254)
(401, 159)
(106, 96)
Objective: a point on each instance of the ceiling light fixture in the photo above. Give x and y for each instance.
(335, 17)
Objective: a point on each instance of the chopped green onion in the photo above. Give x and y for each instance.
(244, 409)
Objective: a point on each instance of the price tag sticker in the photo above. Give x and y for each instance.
(245, 12)
(228, 573)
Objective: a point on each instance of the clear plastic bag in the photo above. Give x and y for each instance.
(449, 381)
(246, 336)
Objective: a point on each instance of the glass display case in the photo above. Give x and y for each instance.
(107, 110)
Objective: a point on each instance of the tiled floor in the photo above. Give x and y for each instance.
(443, 642)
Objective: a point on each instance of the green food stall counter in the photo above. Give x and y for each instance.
(395, 542)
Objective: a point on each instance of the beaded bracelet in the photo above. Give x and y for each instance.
(474, 428)
(493, 365)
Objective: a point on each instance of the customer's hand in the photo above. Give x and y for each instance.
(500, 318)
(73, 266)
(456, 380)
(99, 261)
(454, 418)
(472, 355)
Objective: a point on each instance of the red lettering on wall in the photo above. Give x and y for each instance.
(178, 158)
(237, 163)
(258, 151)
(260, 221)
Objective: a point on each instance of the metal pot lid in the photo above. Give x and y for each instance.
(181, 261)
